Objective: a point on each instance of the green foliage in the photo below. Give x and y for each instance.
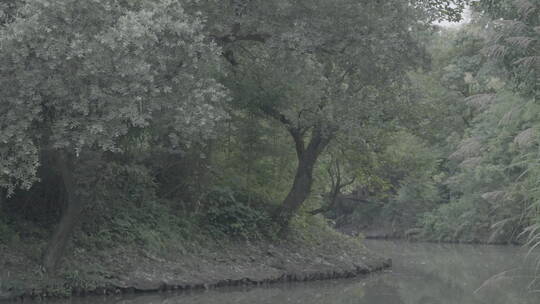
(127, 210)
(228, 214)
(413, 167)
(79, 77)
(513, 41)
(493, 169)
(454, 222)
(6, 232)
(465, 170)
(313, 230)
(183, 120)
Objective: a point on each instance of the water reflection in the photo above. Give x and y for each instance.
(422, 274)
(432, 273)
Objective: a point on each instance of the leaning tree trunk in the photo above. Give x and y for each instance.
(301, 188)
(73, 207)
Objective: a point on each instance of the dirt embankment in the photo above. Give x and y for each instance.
(124, 269)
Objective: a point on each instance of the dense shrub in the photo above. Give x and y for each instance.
(228, 214)
(6, 232)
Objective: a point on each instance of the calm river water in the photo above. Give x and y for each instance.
(421, 274)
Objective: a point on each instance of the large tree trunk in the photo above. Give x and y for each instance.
(73, 207)
(301, 188)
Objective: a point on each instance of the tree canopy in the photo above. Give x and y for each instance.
(84, 76)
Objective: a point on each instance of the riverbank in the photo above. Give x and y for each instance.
(304, 256)
(387, 232)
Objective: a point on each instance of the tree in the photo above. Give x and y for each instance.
(320, 68)
(79, 78)
(493, 170)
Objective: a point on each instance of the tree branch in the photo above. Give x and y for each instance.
(336, 189)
